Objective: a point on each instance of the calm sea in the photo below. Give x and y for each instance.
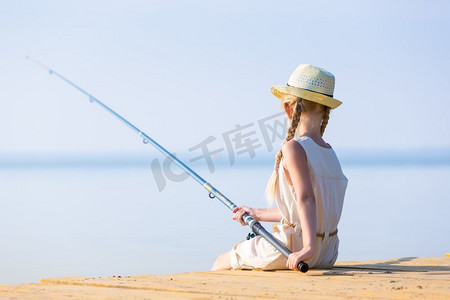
(113, 220)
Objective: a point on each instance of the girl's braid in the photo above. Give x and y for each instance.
(272, 185)
(326, 117)
(291, 132)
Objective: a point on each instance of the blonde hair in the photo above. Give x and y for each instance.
(299, 105)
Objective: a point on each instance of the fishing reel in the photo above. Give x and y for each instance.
(251, 235)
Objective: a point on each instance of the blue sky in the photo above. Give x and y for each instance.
(184, 70)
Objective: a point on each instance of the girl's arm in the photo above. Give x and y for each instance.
(268, 214)
(259, 214)
(296, 164)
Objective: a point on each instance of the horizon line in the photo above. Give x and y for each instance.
(350, 157)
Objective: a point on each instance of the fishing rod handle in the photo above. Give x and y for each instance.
(259, 229)
(303, 267)
(255, 226)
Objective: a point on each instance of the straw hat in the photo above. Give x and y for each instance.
(310, 83)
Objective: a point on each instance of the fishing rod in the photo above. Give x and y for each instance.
(255, 226)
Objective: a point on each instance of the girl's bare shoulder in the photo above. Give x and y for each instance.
(293, 150)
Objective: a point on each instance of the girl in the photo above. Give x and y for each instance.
(307, 184)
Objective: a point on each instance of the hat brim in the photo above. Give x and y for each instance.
(279, 90)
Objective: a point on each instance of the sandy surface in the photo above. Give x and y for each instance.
(411, 277)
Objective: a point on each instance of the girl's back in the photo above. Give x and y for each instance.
(329, 184)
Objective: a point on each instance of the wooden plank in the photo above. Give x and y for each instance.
(402, 278)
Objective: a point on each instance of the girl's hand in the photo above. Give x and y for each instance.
(296, 257)
(240, 211)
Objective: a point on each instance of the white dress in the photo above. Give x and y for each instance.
(329, 184)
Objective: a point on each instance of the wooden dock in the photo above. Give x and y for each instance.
(404, 278)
